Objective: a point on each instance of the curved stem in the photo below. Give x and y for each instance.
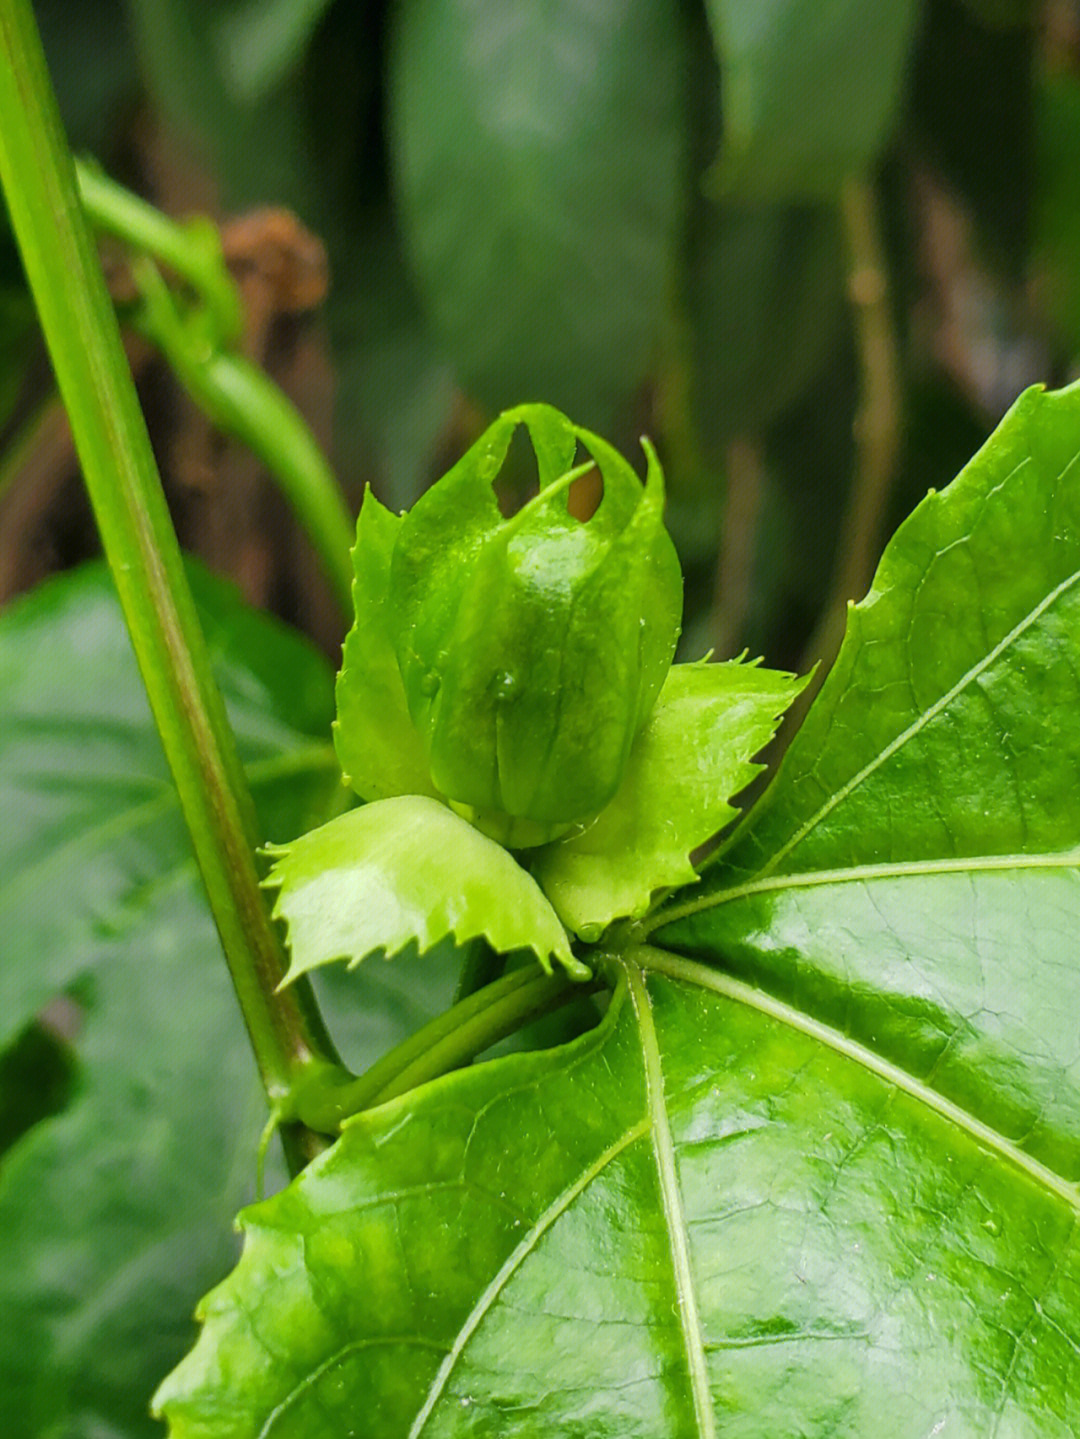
(236, 395)
(447, 1042)
(110, 436)
(191, 249)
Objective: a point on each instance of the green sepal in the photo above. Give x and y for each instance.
(694, 753)
(532, 648)
(379, 751)
(407, 870)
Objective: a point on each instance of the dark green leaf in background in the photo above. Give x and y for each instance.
(765, 301)
(115, 1213)
(537, 153)
(99, 825)
(811, 90)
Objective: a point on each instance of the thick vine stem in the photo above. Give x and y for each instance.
(81, 332)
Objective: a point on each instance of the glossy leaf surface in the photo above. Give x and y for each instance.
(800, 112)
(693, 755)
(537, 157)
(913, 873)
(824, 1182)
(407, 870)
(656, 1230)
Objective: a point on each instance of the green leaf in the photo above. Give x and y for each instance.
(380, 752)
(260, 41)
(98, 825)
(407, 870)
(824, 1183)
(115, 1208)
(116, 1214)
(810, 90)
(765, 303)
(692, 756)
(538, 162)
(260, 149)
(653, 1231)
(913, 874)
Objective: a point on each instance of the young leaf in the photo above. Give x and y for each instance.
(407, 870)
(799, 115)
(656, 1230)
(692, 756)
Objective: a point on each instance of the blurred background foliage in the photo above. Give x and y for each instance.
(814, 248)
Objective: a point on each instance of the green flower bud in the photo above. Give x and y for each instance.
(532, 649)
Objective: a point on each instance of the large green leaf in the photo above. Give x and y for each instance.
(811, 89)
(115, 1212)
(657, 1230)
(824, 1183)
(538, 161)
(913, 874)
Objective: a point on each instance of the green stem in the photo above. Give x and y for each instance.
(447, 1042)
(239, 398)
(480, 965)
(191, 250)
(110, 436)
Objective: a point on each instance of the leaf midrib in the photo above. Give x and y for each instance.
(513, 1263)
(918, 724)
(667, 1174)
(673, 966)
(862, 873)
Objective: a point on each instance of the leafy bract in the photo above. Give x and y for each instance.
(800, 111)
(380, 752)
(407, 870)
(692, 756)
(821, 1179)
(538, 163)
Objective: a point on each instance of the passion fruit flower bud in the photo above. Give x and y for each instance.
(533, 648)
(530, 650)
